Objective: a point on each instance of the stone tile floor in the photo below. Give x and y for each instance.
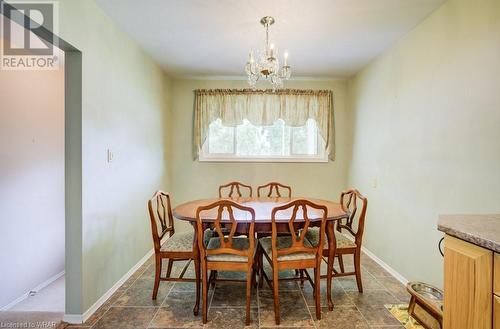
(131, 305)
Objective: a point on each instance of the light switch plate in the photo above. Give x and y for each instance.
(110, 156)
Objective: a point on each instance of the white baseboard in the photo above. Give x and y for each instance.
(73, 318)
(14, 302)
(81, 318)
(385, 266)
(37, 289)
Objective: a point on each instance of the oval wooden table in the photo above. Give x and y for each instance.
(263, 208)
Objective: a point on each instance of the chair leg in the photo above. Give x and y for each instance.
(261, 269)
(158, 263)
(302, 278)
(169, 267)
(212, 277)
(317, 293)
(357, 269)
(341, 263)
(204, 308)
(329, 278)
(255, 268)
(276, 296)
(249, 294)
(196, 309)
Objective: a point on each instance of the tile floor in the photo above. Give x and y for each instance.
(131, 306)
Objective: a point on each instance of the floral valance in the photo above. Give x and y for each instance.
(263, 107)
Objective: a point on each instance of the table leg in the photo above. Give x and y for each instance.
(196, 252)
(332, 244)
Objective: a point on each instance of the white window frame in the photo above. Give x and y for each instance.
(321, 157)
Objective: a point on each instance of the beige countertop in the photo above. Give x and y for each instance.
(481, 230)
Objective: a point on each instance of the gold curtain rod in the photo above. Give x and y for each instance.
(263, 91)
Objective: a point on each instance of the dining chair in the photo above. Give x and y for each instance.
(274, 186)
(177, 247)
(226, 252)
(234, 190)
(354, 204)
(293, 251)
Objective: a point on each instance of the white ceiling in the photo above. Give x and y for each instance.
(325, 38)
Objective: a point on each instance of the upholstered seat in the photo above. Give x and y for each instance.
(183, 241)
(240, 243)
(284, 242)
(179, 242)
(342, 241)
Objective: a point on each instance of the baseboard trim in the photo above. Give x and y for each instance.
(385, 266)
(73, 318)
(37, 289)
(81, 318)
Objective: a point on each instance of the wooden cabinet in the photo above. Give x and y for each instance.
(468, 286)
(496, 291)
(496, 275)
(496, 312)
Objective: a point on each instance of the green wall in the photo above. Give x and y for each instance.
(426, 122)
(125, 109)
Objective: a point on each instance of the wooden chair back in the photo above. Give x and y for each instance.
(274, 186)
(354, 204)
(225, 227)
(234, 190)
(299, 235)
(162, 220)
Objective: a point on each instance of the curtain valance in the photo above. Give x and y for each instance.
(263, 107)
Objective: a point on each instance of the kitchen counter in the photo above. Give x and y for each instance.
(481, 230)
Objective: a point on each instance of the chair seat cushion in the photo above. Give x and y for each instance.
(240, 243)
(179, 242)
(284, 242)
(183, 241)
(342, 241)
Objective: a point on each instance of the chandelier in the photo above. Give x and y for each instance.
(266, 64)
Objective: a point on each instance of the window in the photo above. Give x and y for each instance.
(278, 142)
(287, 125)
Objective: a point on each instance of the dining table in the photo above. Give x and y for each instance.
(263, 207)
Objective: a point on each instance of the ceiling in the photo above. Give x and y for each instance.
(324, 38)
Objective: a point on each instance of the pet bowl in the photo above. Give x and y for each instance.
(429, 299)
